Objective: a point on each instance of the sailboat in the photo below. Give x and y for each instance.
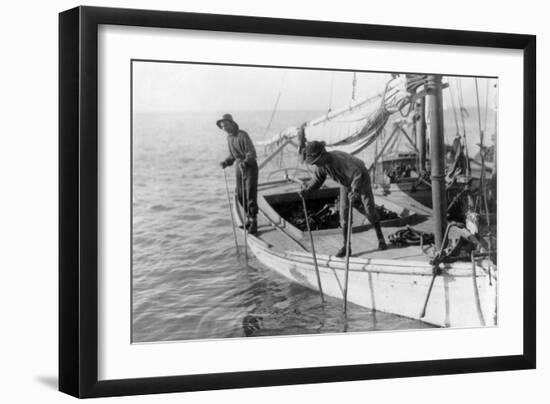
(417, 280)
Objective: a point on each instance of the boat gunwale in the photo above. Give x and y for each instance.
(331, 263)
(372, 265)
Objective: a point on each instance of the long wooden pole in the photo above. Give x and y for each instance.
(281, 230)
(427, 299)
(476, 290)
(313, 250)
(231, 212)
(348, 242)
(244, 215)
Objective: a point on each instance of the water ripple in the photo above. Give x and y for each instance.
(188, 282)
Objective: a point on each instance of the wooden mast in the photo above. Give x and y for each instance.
(434, 100)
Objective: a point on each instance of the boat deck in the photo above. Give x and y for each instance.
(364, 243)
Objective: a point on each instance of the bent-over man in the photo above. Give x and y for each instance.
(354, 179)
(242, 151)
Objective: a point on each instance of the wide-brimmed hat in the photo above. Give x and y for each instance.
(314, 151)
(225, 117)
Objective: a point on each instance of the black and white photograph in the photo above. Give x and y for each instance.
(273, 201)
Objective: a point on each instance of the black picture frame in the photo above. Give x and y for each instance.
(78, 201)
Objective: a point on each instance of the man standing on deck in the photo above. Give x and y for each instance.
(354, 180)
(242, 151)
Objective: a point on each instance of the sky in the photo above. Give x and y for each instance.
(181, 87)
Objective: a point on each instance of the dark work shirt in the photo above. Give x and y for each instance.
(240, 148)
(345, 169)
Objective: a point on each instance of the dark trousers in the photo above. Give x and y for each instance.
(250, 176)
(365, 205)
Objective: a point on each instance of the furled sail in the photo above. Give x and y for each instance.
(354, 127)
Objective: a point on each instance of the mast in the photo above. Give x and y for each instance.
(434, 100)
(421, 132)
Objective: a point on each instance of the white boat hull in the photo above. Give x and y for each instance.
(461, 296)
(393, 287)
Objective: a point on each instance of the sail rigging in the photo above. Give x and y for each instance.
(353, 127)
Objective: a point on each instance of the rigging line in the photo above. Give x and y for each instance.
(362, 101)
(275, 106)
(375, 154)
(352, 120)
(478, 109)
(482, 155)
(462, 112)
(486, 103)
(331, 90)
(461, 102)
(272, 114)
(384, 100)
(454, 108)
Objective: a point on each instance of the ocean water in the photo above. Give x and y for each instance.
(187, 280)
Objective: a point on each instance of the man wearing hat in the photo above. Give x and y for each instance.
(354, 179)
(242, 151)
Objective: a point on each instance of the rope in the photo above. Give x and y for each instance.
(408, 111)
(410, 236)
(275, 106)
(461, 104)
(383, 100)
(272, 114)
(462, 112)
(454, 108)
(331, 90)
(364, 118)
(478, 110)
(482, 155)
(486, 104)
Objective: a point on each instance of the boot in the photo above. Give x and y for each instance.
(252, 226)
(381, 242)
(342, 251)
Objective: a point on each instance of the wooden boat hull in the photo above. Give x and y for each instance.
(462, 295)
(393, 287)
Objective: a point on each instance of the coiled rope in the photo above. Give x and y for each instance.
(410, 236)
